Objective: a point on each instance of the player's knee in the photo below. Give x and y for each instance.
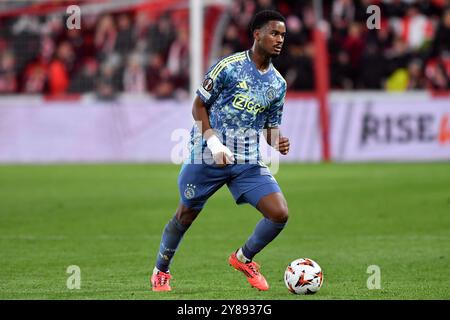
(280, 214)
(186, 215)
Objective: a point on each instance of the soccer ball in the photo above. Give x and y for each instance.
(303, 276)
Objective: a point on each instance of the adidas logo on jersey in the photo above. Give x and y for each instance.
(242, 85)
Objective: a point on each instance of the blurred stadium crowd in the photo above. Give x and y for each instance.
(410, 51)
(123, 52)
(130, 52)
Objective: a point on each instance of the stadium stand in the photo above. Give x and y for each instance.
(136, 50)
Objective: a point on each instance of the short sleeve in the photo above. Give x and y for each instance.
(213, 83)
(276, 111)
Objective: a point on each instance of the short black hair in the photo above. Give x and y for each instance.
(262, 17)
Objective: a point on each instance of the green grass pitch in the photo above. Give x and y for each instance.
(108, 219)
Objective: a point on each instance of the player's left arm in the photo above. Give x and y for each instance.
(276, 140)
(272, 132)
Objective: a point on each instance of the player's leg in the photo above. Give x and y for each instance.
(273, 206)
(254, 184)
(196, 184)
(172, 235)
(275, 211)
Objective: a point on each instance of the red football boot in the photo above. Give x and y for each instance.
(251, 271)
(160, 281)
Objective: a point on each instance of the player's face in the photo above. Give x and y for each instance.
(271, 37)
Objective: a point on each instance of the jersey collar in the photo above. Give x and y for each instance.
(254, 65)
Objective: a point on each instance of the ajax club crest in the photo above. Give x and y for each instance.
(189, 192)
(270, 94)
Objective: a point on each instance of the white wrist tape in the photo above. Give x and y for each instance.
(214, 144)
(217, 148)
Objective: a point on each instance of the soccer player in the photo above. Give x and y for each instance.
(241, 97)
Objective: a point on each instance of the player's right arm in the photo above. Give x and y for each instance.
(221, 154)
(214, 82)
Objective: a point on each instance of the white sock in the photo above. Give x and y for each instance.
(240, 256)
(155, 270)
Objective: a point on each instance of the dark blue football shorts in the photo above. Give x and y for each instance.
(248, 183)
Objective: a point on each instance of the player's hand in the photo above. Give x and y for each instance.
(221, 154)
(223, 158)
(283, 145)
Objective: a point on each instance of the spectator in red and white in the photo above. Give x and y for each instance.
(134, 78)
(414, 28)
(8, 77)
